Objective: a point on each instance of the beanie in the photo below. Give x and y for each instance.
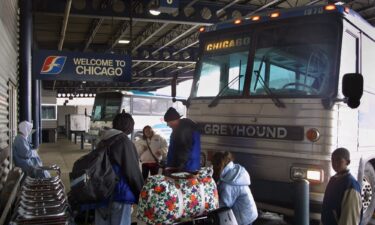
(171, 115)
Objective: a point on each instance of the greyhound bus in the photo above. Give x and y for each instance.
(281, 91)
(146, 109)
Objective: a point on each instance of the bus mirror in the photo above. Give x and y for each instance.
(352, 89)
(174, 87)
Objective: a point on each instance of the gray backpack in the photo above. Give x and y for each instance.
(93, 179)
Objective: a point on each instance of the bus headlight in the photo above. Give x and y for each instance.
(313, 175)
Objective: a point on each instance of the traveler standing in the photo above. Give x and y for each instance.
(124, 159)
(184, 146)
(152, 148)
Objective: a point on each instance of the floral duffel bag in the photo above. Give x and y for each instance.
(165, 200)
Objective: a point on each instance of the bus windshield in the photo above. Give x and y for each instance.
(106, 106)
(289, 60)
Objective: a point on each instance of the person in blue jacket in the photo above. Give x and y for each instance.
(184, 145)
(233, 183)
(24, 156)
(342, 204)
(124, 159)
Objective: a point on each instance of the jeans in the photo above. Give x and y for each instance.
(119, 214)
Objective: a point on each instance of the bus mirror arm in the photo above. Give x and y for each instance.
(330, 101)
(185, 102)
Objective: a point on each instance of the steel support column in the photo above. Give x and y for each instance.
(26, 40)
(36, 112)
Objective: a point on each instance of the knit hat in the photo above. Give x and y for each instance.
(171, 115)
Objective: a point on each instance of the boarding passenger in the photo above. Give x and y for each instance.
(124, 160)
(184, 145)
(233, 186)
(24, 156)
(152, 148)
(342, 203)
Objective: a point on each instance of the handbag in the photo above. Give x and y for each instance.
(161, 163)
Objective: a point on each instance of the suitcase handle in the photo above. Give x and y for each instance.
(177, 174)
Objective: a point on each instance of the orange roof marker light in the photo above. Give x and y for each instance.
(347, 9)
(330, 7)
(202, 29)
(255, 18)
(237, 21)
(275, 15)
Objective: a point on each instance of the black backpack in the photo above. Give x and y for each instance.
(93, 179)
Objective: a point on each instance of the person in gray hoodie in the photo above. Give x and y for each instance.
(233, 186)
(24, 155)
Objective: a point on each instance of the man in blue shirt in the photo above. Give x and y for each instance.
(184, 145)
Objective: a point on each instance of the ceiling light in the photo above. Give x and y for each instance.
(179, 67)
(154, 12)
(124, 41)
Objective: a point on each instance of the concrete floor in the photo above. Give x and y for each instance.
(64, 153)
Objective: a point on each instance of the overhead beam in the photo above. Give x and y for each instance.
(170, 38)
(56, 8)
(271, 3)
(365, 9)
(160, 78)
(168, 54)
(96, 25)
(120, 34)
(149, 33)
(65, 24)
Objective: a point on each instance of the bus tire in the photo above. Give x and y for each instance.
(367, 193)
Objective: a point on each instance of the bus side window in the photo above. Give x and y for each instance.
(141, 106)
(159, 106)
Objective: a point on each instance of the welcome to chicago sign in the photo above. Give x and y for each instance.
(55, 65)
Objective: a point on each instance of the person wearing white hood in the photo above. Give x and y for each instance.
(24, 156)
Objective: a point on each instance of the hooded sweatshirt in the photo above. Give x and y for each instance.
(23, 155)
(234, 192)
(124, 159)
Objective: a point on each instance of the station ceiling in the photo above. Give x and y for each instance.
(161, 46)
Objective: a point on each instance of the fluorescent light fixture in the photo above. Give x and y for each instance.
(124, 41)
(154, 12)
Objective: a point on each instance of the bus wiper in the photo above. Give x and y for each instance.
(258, 71)
(215, 101)
(275, 99)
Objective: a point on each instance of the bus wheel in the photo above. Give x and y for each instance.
(367, 193)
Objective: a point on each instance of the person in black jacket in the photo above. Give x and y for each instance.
(184, 145)
(124, 159)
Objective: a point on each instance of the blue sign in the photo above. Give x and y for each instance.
(78, 66)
